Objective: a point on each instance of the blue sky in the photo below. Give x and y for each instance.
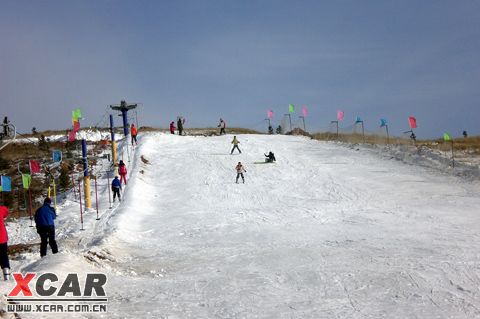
(237, 59)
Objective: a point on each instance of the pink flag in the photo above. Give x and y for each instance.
(76, 126)
(339, 115)
(71, 136)
(412, 121)
(34, 167)
(304, 111)
(270, 114)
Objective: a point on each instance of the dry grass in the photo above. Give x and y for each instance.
(470, 144)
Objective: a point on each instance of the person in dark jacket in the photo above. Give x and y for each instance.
(180, 126)
(44, 217)
(116, 187)
(270, 157)
(4, 262)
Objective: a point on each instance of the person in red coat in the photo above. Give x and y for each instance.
(4, 262)
(172, 127)
(122, 171)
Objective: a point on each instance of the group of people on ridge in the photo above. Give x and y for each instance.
(180, 123)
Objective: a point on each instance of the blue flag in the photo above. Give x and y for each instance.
(6, 184)
(383, 122)
(57, 156)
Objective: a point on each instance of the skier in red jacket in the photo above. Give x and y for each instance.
(4, 262)
(172, 127)
(122, 171)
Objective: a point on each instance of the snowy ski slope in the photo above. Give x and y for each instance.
(326, 232)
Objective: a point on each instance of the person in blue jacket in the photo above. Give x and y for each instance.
(44, 217)
(116, 187)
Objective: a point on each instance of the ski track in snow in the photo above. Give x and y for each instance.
(326, 232)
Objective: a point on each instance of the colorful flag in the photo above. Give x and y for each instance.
(76, 126)
(358, 120)
(71, 136)
(340, 115)
(5, 184)
(383, 122)
(270, 114)
(34, 167)
(57, 156)
(291, 108)
(304, 111)
(412, 121)
(76, 115)
(26, 180)
(446, 137)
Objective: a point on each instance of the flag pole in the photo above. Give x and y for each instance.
(453, 156)
(388, 137)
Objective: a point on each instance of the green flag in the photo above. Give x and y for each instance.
(291, 108)
(446, 137)
(26, 180)
(76, 114)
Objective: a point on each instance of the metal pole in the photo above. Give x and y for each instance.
(81, 210)
(388, 137)
(453, 157)
(108, 186)
(114, 144)
(303, 119)
(96, 197)
(290, 117)
(30, 205)
(86, 175)
(363, 132)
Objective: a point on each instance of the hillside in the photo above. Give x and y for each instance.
(326, 232)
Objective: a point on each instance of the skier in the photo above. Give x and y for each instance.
(240, 170)
(465, 134)
(116, 187)
(222, 126)
(180, 126)
(122, 171)
(44, 217)
(270, 157)
(6, 129)
(235, 143)
(172, 127)
(4, 262)
(270, 130)
(133, 131)
(413, 137)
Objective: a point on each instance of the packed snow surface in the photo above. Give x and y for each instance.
(326, 232)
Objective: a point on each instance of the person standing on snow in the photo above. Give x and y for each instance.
(44, 217)
(240, 170)
(222, 125)
(122, 171)
(172, 127)
(4, 262)
(180, 126)
(133, 131)
(116, 187)
(235, 143)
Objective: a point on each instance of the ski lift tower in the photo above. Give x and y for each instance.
(124, 108)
